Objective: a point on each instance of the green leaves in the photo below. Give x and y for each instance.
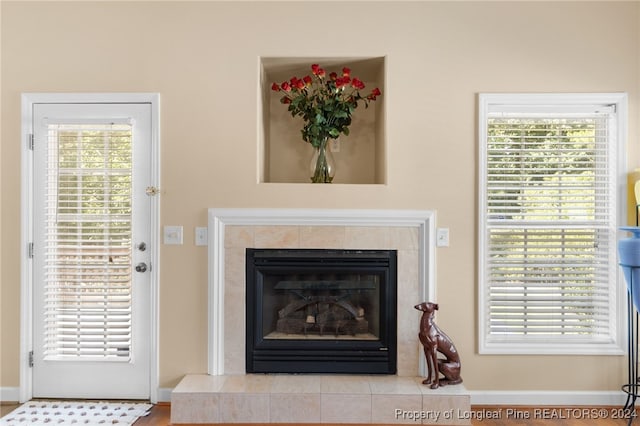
(341, 114)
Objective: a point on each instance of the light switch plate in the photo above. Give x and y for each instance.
(442, 237)
(202, 235)
(173, 235)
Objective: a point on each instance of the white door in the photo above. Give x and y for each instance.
(91, 253)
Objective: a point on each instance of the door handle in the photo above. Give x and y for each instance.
(141, 267)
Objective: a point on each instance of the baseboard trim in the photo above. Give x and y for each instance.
(9, 394)
(554, 398)
(164, 394)
(13, 394)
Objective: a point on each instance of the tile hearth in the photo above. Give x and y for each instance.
(288, 398)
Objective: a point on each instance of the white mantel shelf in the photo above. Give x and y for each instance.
(289, 398)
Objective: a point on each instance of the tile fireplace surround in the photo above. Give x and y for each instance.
(228, 395)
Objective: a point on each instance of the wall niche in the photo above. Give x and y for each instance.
(284, 157)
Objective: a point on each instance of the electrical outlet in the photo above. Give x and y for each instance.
(173, 235)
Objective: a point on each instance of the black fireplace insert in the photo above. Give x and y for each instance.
(321, 311)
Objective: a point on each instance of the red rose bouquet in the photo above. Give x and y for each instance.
(324, 103)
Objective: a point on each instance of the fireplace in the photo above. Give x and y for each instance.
(321, 311)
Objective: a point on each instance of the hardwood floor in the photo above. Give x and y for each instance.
(160, 415)
(484, 416)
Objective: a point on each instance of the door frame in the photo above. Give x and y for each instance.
(26, 226)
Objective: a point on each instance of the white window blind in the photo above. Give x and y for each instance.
(88, 241)
(548, 227)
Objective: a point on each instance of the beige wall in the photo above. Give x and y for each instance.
(202, 57)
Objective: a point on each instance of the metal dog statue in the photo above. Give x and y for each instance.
(435, 340)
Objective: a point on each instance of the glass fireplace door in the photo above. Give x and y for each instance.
(321, 311)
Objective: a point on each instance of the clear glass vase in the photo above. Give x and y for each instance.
(322, 167)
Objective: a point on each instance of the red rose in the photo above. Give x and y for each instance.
(357, 83)
(275, 87)
(296, 83)
(374, 93)
(320, 72)
(346, 72)
(333, 76)
(285, 86)
(285, 100)
(342, 81)
(315, 68)
(308, 81)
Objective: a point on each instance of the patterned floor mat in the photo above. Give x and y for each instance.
(63, 413)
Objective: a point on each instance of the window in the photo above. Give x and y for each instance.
(550, 196)
(88, 241)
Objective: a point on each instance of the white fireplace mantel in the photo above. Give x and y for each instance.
(218, 219)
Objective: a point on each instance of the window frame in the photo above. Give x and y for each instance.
(533, 345)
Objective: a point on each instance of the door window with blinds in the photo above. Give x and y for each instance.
(549, 205)
(88, 241)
